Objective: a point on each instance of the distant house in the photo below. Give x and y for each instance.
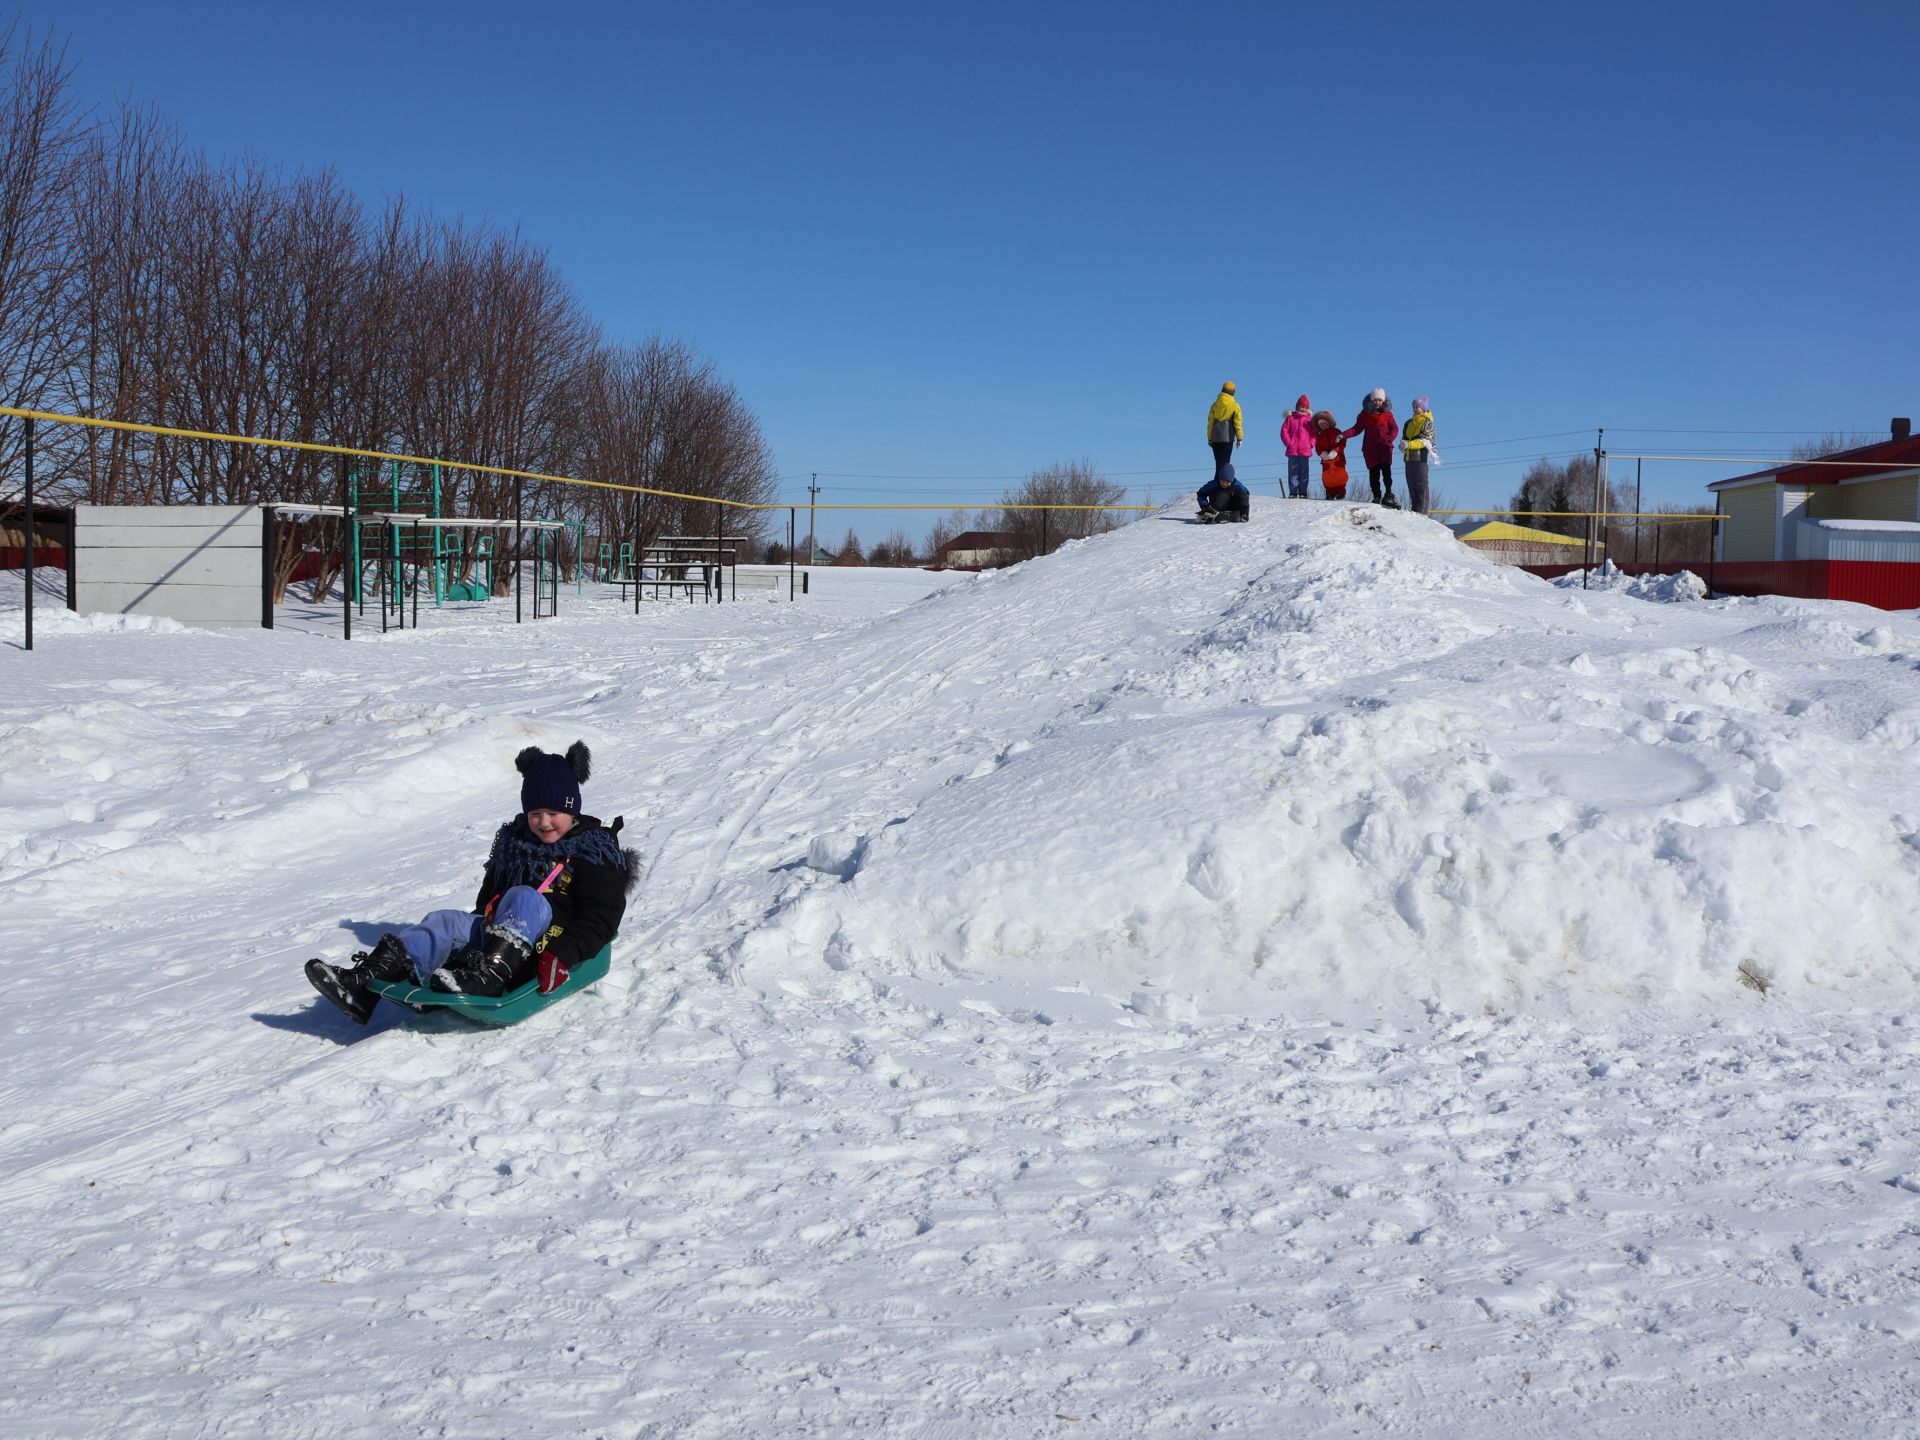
(1518, 544)
(1844, 526)
(50, 534)
(974, 550)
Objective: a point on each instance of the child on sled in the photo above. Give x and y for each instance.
(1224, 498)
(553, 894)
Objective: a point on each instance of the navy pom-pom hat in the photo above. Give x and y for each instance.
(552, 782)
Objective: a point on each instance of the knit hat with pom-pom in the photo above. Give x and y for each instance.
(552, 782)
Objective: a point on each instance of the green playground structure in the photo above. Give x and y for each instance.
(459, 558)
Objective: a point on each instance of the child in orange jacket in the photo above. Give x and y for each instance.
(1331, 446)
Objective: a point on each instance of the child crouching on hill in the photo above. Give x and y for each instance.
(553, 894)
(1224, 498)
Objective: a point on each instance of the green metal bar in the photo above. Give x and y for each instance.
(439, 564)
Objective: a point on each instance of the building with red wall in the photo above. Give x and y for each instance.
(1844, 526)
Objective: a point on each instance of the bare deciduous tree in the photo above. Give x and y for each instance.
(1072, 483)
(896, 550)
(850, 552)
(38, 139)
(142, 283)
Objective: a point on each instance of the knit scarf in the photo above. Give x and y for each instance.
(518, 857)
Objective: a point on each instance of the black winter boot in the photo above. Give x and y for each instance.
(505, 963)
(346, 986)
(386, 961)
(343, 986)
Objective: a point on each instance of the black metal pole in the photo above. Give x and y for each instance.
(1045, 530)
(29, 532)
(73, 557)
(517, 567)
(1639, 510)
(416, 572)
(346, 528)
(266, 566)
(791, 518)
(1713, 546)
(634, 558)
(386, 538)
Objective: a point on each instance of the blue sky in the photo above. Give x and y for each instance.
(938, 247)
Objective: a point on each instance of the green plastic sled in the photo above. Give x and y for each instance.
(508, 1009)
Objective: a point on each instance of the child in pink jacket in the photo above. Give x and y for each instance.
(1297, 436)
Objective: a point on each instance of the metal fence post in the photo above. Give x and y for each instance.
(518, 567)
(29, 532)
(1713, 546)
(346, 528)
(791, 518)
(1639, 512)
(267, 539)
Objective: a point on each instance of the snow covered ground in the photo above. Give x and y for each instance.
(1294, 978)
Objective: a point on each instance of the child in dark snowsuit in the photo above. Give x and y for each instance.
(1377, 424)
(1330, 444)
(1223, 498)
(553, 894)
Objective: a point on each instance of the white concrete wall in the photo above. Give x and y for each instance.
(198, 564)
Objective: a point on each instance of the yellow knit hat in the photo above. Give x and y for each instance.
(1227, 389)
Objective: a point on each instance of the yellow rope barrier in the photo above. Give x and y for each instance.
(315, 448)
(1666, 515)
(988, 505)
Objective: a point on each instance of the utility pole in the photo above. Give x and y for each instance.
(813, 491)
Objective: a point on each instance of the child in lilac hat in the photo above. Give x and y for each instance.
(1416, 447)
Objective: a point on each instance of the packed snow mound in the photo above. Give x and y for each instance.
(1336, 756)
(1682, 585)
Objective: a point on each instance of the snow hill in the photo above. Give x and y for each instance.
(1338, 755)
(1284, 978)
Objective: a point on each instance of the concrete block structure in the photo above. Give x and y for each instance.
(198, 564)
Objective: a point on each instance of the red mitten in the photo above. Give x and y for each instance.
(551, 973)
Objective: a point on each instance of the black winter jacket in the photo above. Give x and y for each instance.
(588, 897)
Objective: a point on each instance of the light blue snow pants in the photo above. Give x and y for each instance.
(431, 943)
